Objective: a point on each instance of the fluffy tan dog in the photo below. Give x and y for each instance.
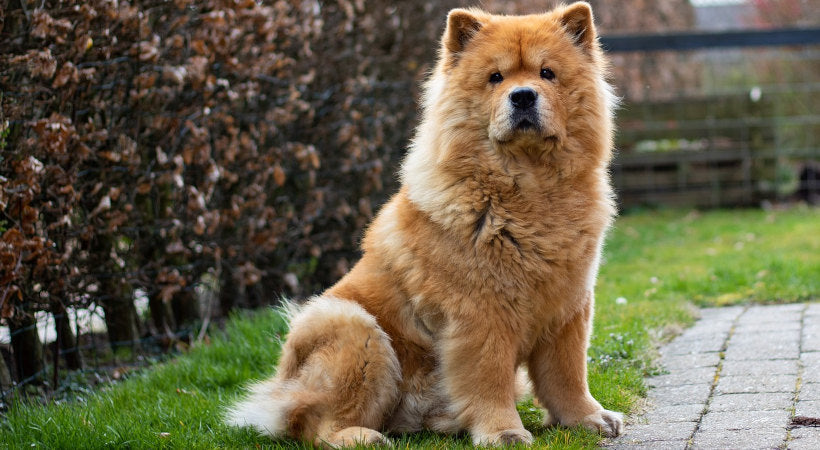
(484, 261)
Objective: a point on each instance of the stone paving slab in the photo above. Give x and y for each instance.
(778, 313)
(811, 377)
(744, 420)
(715, 330)
(766, 327)
(763, 318)
(762, 438)
(711, 332)
(684, 362)
(690, 346)
(811, 359)
(756, 383)
(697, 375)
(760, 401)
(735, 380)
(811, 329)
(811, 367)
(811, 340)
(763, 351)
(810, 391)
(804, 439)
(809, 408)
(675, 431)
(681, 395)
(772, 313)
(754, 367)
(813, 343)
(675, 413)
(769, 338)
(665, 445)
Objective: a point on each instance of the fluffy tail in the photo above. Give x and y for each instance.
(277, 408)
(337, 369)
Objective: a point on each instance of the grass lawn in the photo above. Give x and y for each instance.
(658, 264)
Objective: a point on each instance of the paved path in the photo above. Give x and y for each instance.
(736, 379)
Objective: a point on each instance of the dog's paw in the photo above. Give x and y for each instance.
(504, 437)
(608, 423)
(549, 419)
(355, 436)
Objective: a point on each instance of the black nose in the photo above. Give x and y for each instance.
(523, 98)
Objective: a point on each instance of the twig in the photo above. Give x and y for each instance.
(25, 11)
(205, 323)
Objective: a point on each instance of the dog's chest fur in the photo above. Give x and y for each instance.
(523, 221)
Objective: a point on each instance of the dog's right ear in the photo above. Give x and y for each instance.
(462, 25)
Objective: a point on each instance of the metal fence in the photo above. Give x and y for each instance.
(94, 360)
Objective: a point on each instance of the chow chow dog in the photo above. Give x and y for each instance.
(484, 262)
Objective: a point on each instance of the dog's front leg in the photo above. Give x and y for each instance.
(558, 370)
(479, 373)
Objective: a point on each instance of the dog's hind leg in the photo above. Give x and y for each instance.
(338, 379)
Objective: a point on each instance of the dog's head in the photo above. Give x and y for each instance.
(528, 80)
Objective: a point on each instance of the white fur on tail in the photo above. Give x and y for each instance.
(263, 409)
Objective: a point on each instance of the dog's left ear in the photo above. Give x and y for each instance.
(577, 21)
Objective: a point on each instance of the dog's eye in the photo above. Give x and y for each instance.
(547, 74)
(496, 78)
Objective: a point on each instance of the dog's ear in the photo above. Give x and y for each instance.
(462, 25)
(577, 21)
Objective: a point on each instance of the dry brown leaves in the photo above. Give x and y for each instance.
(166, 139)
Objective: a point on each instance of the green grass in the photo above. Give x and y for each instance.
(713, 259)
(659, 262)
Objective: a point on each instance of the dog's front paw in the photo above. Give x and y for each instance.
(608, 423)
(504, 437)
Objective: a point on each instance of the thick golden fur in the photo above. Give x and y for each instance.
(484, 262)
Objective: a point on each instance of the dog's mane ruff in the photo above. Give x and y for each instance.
(427, 186)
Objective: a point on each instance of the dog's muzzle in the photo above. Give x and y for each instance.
(524, 111)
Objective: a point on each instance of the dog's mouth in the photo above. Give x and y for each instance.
(525, 124)
(525, 128)
(525, 121)
(512, 138)
(528, 128)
